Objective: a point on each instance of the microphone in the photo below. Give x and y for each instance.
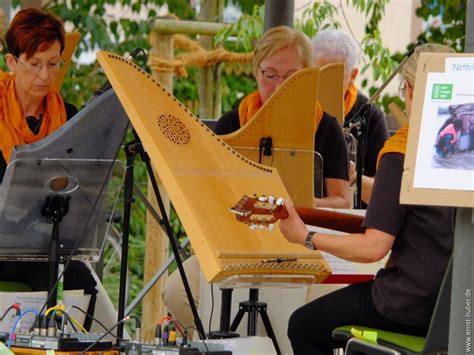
(103, 335)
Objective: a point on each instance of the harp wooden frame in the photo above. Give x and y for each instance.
(288, 117)
(204, 177)
(70, 43)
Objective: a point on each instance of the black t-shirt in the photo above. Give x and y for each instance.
(377, 133)
(405, 290)
(329, 142)
(71, 110)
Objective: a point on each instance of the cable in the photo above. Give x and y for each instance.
(58, 307)
(164, 318)
(95, 320)
(187, 332)
(105, 334)
(177, 324)
(73, 320)
(212, 306)
(13, 328)
(15, 306)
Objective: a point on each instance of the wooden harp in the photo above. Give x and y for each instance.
(331, 90)
(288, 117)
(204, 177)
(70, 43)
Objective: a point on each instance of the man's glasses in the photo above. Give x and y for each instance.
(272, 75)
(35, 67)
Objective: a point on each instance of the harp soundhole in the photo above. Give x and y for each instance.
(173, 129)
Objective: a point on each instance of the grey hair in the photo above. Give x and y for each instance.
(335, 45)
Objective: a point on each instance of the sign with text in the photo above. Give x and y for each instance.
(439, 163)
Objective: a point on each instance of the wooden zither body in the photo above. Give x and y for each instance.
(288, 117)
(204, 177)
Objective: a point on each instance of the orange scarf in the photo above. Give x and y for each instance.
(395, 144)
(14, 129)
(251, 103)
(350, 98)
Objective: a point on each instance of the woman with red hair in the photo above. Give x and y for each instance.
(31, 108)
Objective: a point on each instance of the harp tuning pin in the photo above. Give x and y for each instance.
(252, 226)
(279, 202)
(262, 198)
(271, 199)
(271, 226)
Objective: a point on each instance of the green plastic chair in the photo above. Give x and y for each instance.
(396, 343)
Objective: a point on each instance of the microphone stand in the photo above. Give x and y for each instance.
(357, 126)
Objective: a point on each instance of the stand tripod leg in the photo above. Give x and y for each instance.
(253, 308)
(237, 319)
(262, 309)
(173, 241)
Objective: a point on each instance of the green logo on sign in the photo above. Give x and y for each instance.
(442, 91)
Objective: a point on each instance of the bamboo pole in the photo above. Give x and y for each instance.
(157, 245)
(209, 82)
(167, 26)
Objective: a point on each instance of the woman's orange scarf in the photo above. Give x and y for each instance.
(395, 144)
(350, 98)
(14, 129)
(251, 103)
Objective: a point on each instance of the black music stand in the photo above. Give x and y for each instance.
(53, 209)
(82, 150)
(131, 150)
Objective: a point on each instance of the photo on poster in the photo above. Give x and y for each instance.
(445, 153)
(454, 140)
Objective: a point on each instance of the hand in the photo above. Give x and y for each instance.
(293, 228)
(352, 173)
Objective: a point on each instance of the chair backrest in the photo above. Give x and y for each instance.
(438, 333)
(436, 339)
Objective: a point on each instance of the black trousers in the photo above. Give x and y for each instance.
(76, 277)
(310, 326)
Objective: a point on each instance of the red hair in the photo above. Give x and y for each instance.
(31, 31)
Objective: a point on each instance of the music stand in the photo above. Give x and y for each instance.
(73, 191)
(80, 155)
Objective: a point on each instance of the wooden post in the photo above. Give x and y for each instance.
(157, 243)
(469, 41)
(209, 83)
(278, 13)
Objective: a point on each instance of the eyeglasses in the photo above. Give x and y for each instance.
(402, 88)
(35, 67)
(272, 75)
